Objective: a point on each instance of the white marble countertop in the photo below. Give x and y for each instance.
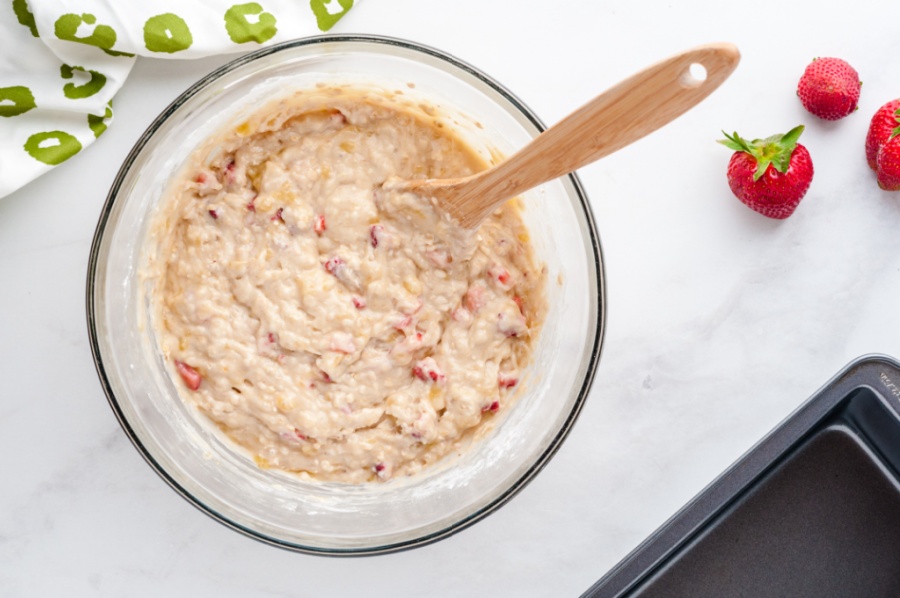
(721, 322)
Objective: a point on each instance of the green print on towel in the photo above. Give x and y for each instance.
(329, 12)
(16, 100)
(248, 23)
(101, 36)
(85, 90)
(98, 123)
(42, 148)
(167, 33)
(24, 16)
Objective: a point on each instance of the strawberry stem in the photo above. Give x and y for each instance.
(775, 150)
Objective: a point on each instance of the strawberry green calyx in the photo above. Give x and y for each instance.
(775, 150)
(896, 131)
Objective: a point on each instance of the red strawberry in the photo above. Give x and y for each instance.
(769, 175)
(883, 124)
(888, 163)
(829, 88)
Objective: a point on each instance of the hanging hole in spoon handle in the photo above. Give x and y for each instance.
(634, 108)
(618, 117)
(694, 76)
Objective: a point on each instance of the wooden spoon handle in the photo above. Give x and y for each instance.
(621, 115)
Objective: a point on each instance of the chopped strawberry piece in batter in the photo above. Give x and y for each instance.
(376, 234)
(428, 369)
(493, 407)
(342, 342)
(518, 301)
(507, 380)
(229, 173)
(501, 277)
(320, 226)
(474, 298)
(333, 265)
(338, 267)
(189, 375)
(511, 325)
(403, 323)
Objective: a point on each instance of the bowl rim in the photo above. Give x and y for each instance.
(94, 262)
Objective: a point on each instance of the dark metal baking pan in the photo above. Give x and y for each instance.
(812, 510)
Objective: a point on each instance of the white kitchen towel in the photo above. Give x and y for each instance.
(62, 61)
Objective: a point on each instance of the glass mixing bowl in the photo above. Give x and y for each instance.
(330, 518)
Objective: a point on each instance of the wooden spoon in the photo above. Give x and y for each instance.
(621, 115)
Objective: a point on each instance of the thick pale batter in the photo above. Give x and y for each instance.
(325, 324)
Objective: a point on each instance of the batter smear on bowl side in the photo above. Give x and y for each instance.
(330, 326)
